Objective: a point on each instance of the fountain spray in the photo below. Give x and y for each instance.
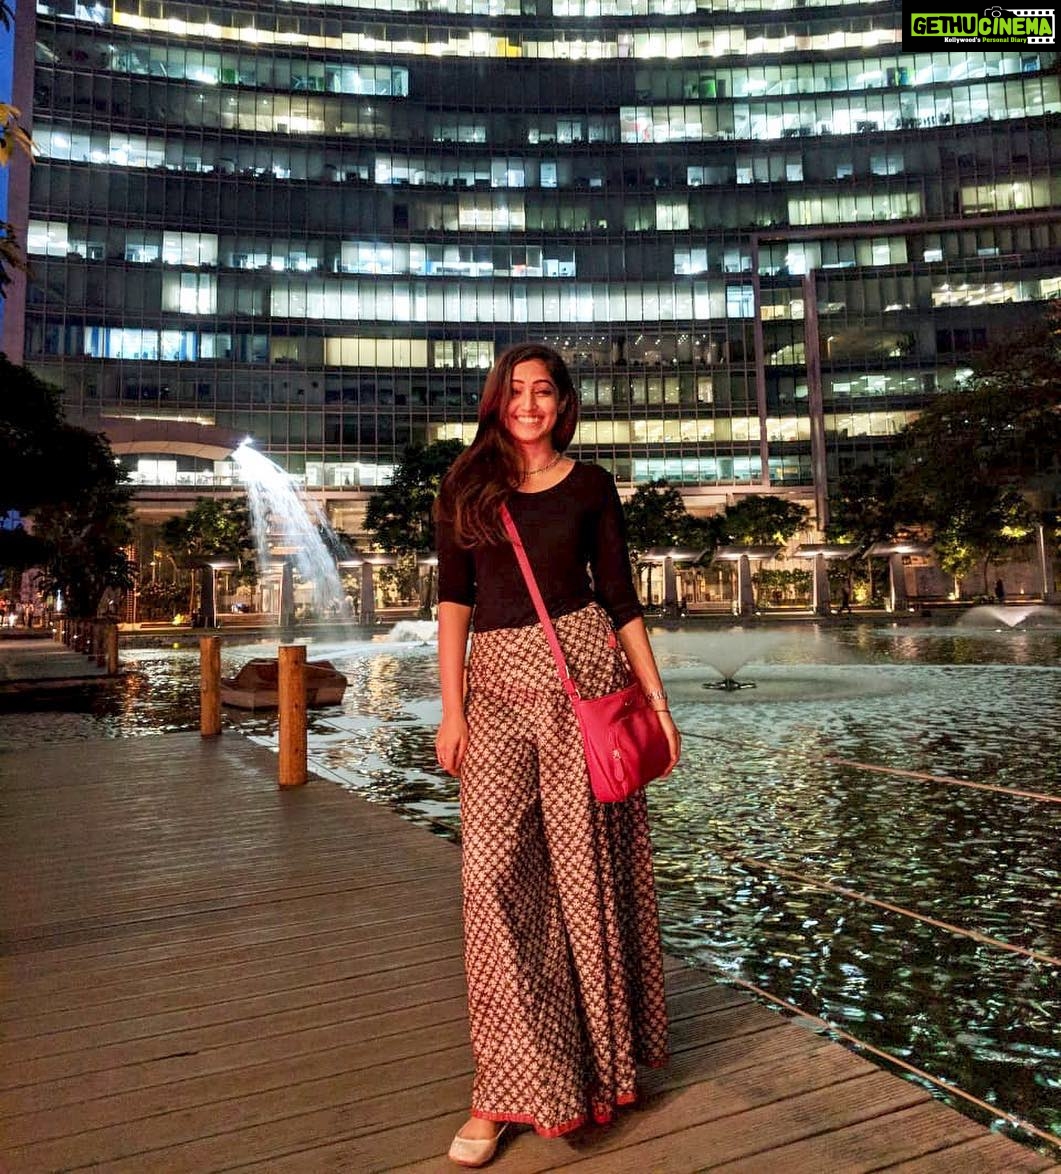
(288, 525)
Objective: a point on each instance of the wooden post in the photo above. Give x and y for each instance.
(292, 698)
(110, 646)
(209, 686)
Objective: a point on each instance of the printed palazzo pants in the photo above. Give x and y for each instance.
(561, 932)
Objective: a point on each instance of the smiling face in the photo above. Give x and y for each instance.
(533, 404)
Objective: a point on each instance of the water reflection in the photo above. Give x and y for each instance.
(758, 783)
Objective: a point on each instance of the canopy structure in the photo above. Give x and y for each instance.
(367, 560)
(820, 553)
(898, 599)
(208, 588)
(744, 556)
(668, 557)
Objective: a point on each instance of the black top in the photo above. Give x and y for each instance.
(570, 529)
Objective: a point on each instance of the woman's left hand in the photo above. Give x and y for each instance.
(674, 739)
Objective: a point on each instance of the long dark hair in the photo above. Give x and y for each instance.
(484, 476)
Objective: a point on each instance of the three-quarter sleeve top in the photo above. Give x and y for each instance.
(571, 531)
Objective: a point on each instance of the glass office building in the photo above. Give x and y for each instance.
(761, 233)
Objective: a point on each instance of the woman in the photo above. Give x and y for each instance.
(562, 948)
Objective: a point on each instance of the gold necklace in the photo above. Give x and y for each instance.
(544, 469)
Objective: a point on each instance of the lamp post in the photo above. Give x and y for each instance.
(427, 598)
(898, 598)
(368, 583)
(669, 558)
(820, 553)
(744, 556)
(355, 562)
(208, 606)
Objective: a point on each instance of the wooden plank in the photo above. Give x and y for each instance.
(103, 1073)
(93, 1035)
(913, 1132)
(317, 1141)
(248, 1049)
(265, 1087)
(129, 1136)
(106, 996)
(990, 1153)
(218, 994)
(58, 969)
(30, 1072)
(710, 1083)
(755, 1124)
(241, 978)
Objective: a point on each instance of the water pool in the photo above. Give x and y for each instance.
(777, 795)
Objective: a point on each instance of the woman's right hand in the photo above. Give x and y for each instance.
(674, 739)
(451, 741)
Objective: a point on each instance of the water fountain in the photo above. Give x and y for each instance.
(1001, 617)
(288, 525)
(729, 651)
(789, 665)
(894, 763)
(413, 632)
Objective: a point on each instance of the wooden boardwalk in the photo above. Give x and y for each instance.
(204, 973)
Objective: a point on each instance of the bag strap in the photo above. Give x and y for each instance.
(570, 687)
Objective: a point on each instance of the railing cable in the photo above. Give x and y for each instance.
(839, 1033)
(814, 882)
(835, 760)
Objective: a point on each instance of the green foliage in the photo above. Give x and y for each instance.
(11, 256)
(212, 528)
(1001, 430)
(12, 138)
(66, 481)
(982, 465)
(971, 538)
(656, 516)
(401, 582)
(161, 601)
(862, 507)
(785, 582)
(399, 514)
(86, 532)
(19, 550)
(759, 520)
(31, 419)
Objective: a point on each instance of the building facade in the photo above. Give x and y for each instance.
(761, 233)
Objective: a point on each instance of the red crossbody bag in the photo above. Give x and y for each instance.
(623, 740)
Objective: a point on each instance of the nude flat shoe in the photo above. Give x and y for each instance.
(473, 1152)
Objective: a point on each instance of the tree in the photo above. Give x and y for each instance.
(31, 417)
(399, 514)
(862, 511)
(862, 507)
(12, 137)
(213, 528)
(981, 466)
(656, 516)
(758, 520)
(85, 535)
(66, 482)
(973, 537)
